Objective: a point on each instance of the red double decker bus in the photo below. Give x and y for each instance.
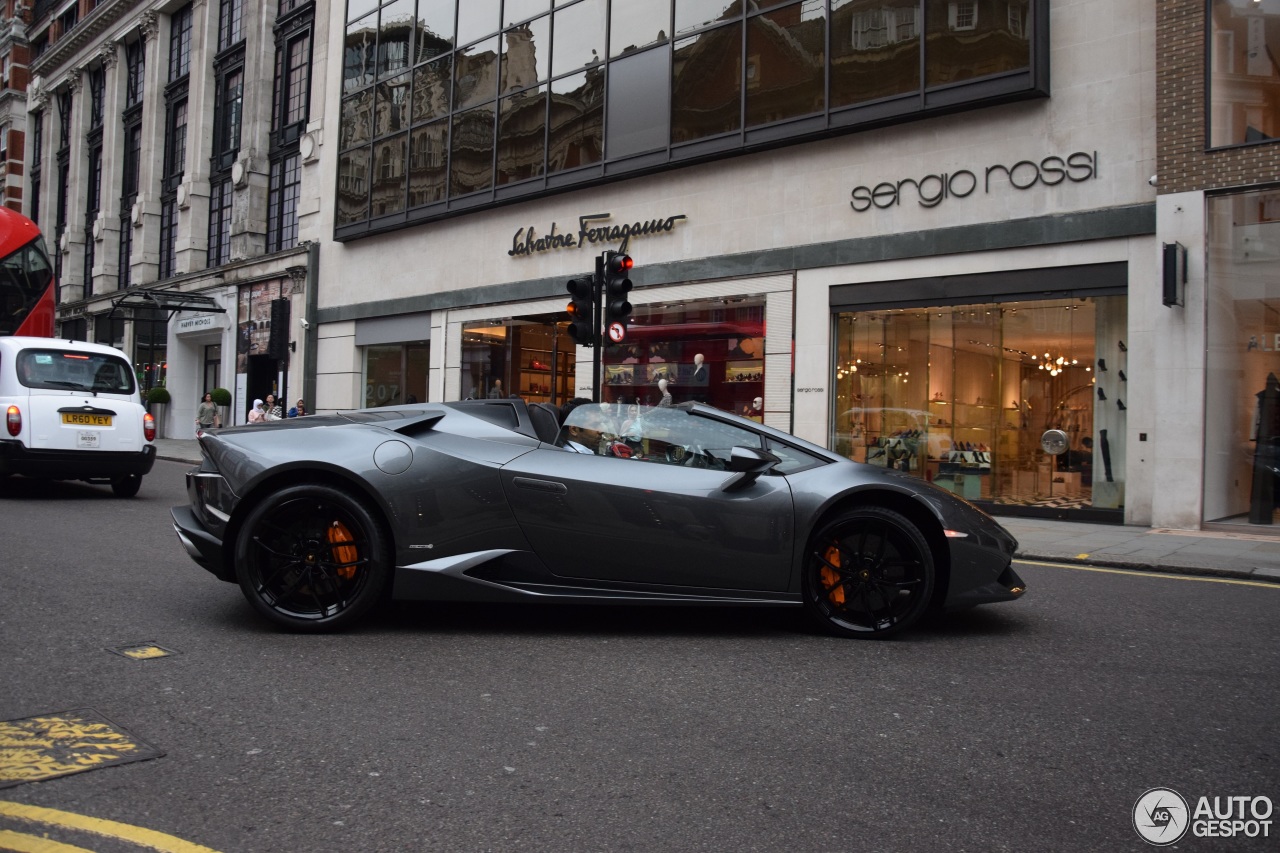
(26, 278)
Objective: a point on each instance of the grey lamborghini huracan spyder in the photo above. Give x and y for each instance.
(319, 518)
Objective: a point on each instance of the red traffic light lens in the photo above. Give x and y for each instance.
(620, 264)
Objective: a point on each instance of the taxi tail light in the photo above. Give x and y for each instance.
(13, 420)
(149, 426)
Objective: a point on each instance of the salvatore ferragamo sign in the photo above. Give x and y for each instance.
(591, 230)
(932, 190)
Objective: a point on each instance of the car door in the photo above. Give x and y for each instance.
(654, 518)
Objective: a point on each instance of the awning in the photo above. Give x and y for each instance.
(171, 301)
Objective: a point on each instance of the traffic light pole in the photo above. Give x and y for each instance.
(597, 320)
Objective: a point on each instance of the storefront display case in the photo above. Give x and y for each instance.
(960, 396)
(703, 351)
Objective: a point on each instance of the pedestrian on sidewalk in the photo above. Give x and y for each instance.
(271, 410)
(256, 415)
(207, 416)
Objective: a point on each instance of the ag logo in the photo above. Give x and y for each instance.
(1161, 816)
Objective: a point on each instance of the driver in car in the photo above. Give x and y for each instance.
(585, 428)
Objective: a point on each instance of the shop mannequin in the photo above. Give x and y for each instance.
(699, 370)
(666, 400)
(755, 411)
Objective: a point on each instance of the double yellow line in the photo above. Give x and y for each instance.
(21, 842)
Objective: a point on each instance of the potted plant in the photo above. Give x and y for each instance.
(158, 404)
(222, 399)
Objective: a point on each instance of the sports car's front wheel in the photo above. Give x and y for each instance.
(312, 558)
(868, 573)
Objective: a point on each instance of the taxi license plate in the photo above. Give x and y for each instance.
(89, 440)
(86, 420)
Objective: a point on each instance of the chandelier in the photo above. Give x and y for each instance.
(1053, 365)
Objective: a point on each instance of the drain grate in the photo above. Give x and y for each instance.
(142, 651)
(51, 745)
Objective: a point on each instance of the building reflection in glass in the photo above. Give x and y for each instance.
(534, 76)
(786, 64)
(706, 85)
(577, 121)
(522, 130)
(875, 50)
(428, 156)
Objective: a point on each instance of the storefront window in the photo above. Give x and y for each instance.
(1244, 88)
(1242, 404)
(150, 347)
(396, 373)
(531, 358)
(710, 351)
(969, 397)
(257, 372)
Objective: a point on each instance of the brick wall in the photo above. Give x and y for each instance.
(1183, 162)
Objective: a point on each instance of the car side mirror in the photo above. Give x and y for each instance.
(748, 463)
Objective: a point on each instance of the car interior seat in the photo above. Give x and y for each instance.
(546, 421)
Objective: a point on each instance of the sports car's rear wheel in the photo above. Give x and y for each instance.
(868, 573)
(312, 558)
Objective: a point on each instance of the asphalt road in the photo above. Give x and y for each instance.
(1034, 725)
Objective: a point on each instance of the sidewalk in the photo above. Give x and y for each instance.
(1202, 552)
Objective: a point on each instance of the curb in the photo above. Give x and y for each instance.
(1153, 568)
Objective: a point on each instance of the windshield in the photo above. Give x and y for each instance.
(76, 371)
(24, 277)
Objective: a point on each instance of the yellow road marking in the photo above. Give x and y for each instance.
(144, 652)
(98, 826)
(1165, 575)
(1082, 556)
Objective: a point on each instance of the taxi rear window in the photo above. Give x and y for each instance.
(74, 371)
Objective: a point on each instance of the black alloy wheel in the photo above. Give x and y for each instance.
(868, 573)
(312, 558)
(126, 486)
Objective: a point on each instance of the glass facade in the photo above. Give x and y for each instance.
(1244, 84)
(707, 351)
(396, 374)
(446, 106)
(528, 357)
(1242, 403)
(1017, 403)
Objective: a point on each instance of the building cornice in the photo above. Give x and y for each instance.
(82, 35)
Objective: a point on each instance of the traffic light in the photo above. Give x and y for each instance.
(617, 310)
(580, 308)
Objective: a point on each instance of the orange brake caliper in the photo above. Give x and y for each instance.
(345, 555)
(832, 578)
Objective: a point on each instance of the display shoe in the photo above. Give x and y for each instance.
(1102, 365)
(1123, 378)
(1123, 348)
(1102, 395)
(1120, 404)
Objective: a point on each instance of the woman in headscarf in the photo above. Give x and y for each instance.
(256, 415)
